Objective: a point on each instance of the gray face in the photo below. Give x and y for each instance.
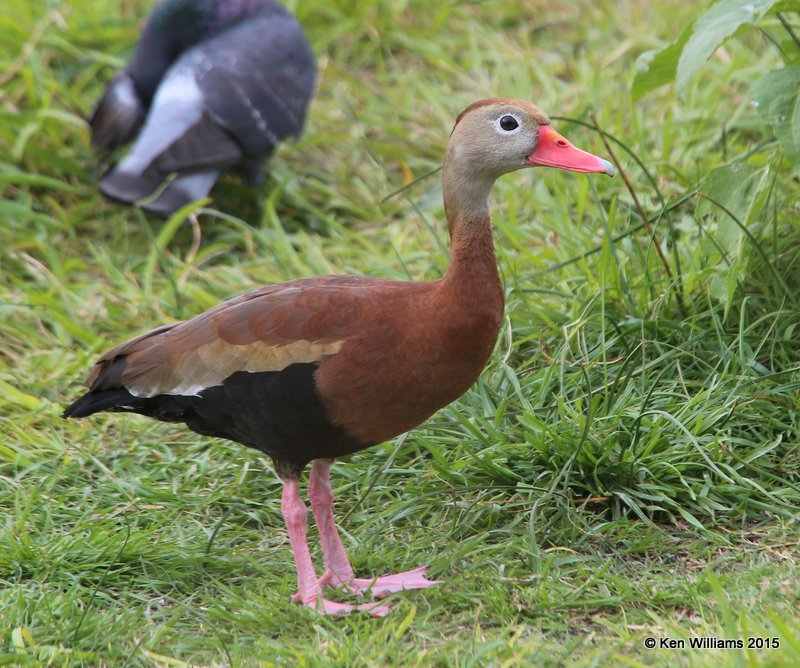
(496, 136)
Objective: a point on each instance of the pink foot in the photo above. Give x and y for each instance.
(379, 587)
(389, 584)
(327, 607)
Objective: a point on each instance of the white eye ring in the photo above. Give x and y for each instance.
(501, 130)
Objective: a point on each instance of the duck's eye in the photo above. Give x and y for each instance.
(509, 123)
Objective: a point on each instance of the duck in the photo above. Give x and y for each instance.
(316, 368)
(212, 85)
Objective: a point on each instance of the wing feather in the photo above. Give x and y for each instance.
(265, 330)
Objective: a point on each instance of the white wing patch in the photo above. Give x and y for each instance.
(193, 371)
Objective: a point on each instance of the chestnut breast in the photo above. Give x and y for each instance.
(419, 346)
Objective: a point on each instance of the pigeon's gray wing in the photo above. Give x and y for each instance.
(257, 80)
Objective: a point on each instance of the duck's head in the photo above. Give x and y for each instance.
(502, 135)
(496, 136)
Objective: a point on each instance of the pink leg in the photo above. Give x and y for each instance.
(310, 591)
(338, 572)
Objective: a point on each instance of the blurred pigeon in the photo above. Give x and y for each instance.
(213, 84)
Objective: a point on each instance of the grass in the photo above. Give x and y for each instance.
(626, 467)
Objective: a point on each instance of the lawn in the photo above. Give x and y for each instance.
(628, 465)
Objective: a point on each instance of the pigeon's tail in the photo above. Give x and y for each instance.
(145, 190)
(180, 192)
(128, 187)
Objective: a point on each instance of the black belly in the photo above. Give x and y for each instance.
(277, 412)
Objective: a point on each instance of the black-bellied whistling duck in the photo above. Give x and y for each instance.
(321, 367)
(220, 84)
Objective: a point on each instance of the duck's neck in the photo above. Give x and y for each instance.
(473, 265)
(472, 256)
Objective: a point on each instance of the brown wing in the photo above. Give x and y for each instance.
(265, 330)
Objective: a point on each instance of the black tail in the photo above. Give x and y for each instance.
(94, 402)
